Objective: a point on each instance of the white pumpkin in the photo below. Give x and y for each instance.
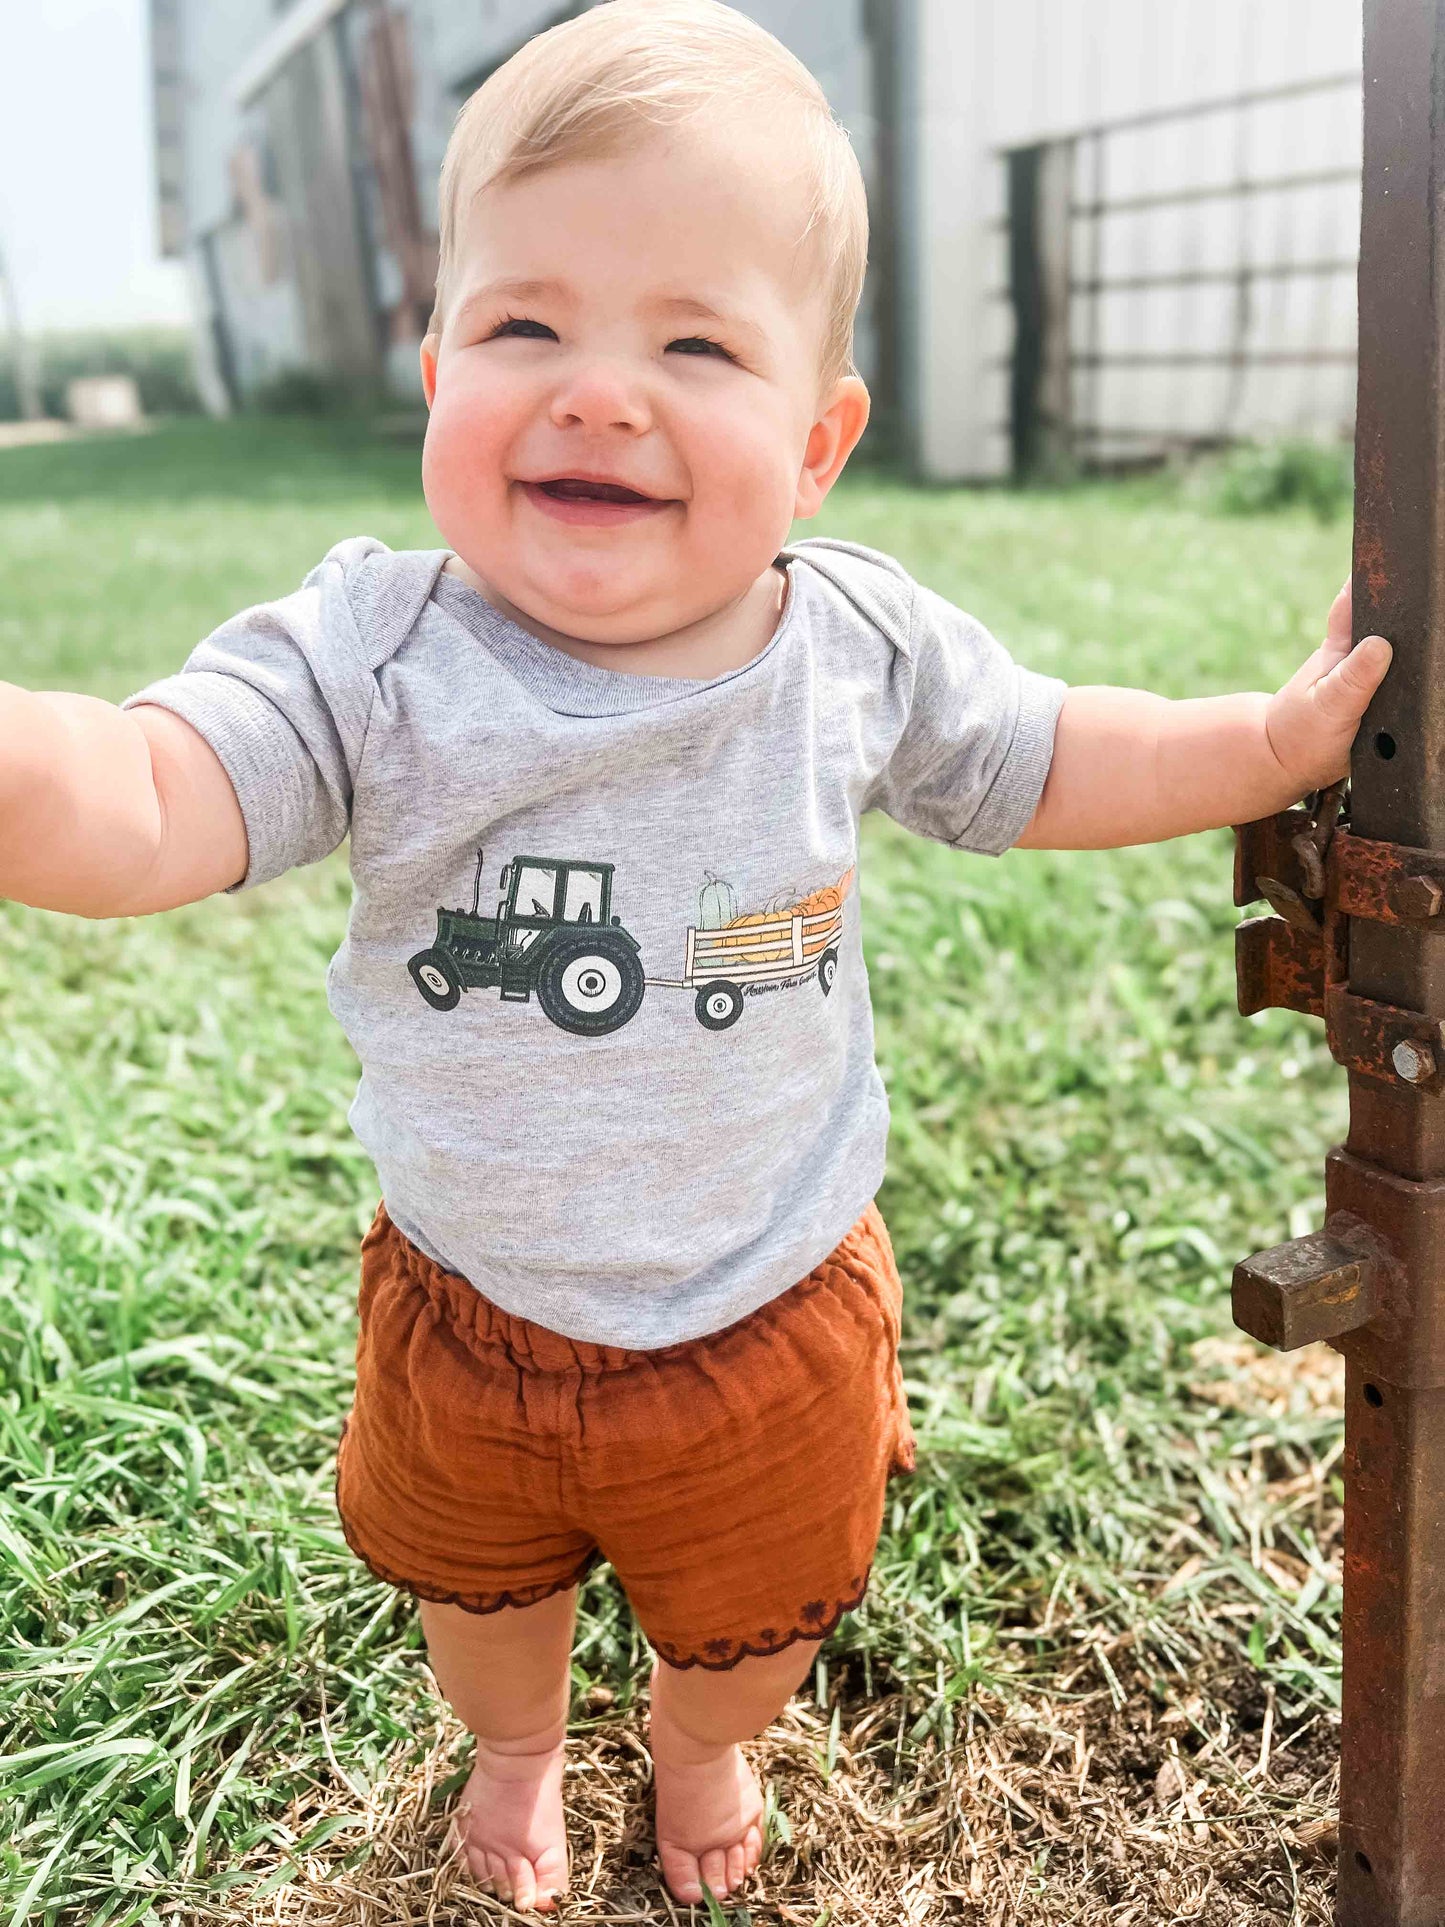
(717, 903)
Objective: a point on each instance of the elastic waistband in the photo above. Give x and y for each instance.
(483, 1327)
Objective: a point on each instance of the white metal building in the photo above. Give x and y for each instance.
(1102, 228)
(1195, 199)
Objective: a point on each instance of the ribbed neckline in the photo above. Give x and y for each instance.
(571, 687)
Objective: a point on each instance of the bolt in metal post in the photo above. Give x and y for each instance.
(1392, 1836)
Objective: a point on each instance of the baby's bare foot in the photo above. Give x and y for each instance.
(709, 1814)
(509, 1820)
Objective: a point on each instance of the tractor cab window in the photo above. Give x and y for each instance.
(536, 891)
(583, 901)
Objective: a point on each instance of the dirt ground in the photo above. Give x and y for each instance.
(1103, 1800)
(1099, 1804)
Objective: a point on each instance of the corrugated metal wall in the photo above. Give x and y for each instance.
(995, 75)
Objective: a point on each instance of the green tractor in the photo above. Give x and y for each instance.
(554, 933)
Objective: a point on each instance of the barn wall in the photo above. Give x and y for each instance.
(995, 74)
(310, 179)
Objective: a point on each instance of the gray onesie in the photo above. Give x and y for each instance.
(603, 968)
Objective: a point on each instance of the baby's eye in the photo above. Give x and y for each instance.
(698, 345)
(522, 329)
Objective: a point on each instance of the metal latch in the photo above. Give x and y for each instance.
(1316, 876)
(1299, 1293)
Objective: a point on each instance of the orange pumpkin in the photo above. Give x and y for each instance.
(824, 902)
(767, 952)
(820, 902)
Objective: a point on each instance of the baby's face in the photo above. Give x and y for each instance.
(626, 406)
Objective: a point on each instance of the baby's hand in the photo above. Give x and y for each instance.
(1312, 721)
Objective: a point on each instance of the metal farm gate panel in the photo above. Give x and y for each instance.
(1184, 278)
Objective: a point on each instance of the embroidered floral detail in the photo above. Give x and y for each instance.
(721, 1655)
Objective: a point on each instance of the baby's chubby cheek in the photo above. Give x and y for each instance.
(463, 477)
(744, 478)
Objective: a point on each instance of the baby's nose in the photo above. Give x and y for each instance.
(601, 395)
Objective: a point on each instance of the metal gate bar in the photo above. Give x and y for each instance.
(1392, 1828)
(1361, 940)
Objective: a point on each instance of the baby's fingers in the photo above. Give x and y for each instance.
(1340, 626)
(1344, 694)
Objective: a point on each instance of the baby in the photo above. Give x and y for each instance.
(602, 760)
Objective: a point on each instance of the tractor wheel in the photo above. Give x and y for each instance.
(435, 976)
(827, 969)
(590, 984)
(719, 1005)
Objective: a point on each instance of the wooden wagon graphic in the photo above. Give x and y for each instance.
(752, 957)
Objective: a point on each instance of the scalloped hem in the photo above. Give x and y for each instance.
(480, 1603)
(721, 1655)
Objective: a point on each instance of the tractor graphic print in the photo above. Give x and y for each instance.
(553, 934)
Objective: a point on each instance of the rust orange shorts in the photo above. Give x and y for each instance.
(735, 1482)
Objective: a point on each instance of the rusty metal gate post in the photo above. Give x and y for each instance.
(1359, 938)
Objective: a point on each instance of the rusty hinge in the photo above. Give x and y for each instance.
(1278, 966)
(1384, 1041)
(1357, 1283)
(1400, 1223)
(1316, 875)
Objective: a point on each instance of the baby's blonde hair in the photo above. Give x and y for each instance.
(592, 87)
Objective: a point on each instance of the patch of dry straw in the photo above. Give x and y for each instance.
(1098, 1803)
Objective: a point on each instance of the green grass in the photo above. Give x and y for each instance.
(1086, 1135)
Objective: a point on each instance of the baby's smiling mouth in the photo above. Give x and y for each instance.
(579, 489)
(588, 500)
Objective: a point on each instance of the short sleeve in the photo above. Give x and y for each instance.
(282, 693)
(969, 765)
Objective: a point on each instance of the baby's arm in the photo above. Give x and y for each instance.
(1129, 767)
(111, 813)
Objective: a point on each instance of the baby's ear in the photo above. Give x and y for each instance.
(429, 350)
(832, 439)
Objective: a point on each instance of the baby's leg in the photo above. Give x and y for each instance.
(507, 1676)
(709, 1804)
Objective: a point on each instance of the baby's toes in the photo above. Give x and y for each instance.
(498, 1878)
(551, 1871)
(714, 1869)
(679, 1870)
(459, 1846)
(523, 1883)
(737, 1867)
(479, 1861)
(752, 1847)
